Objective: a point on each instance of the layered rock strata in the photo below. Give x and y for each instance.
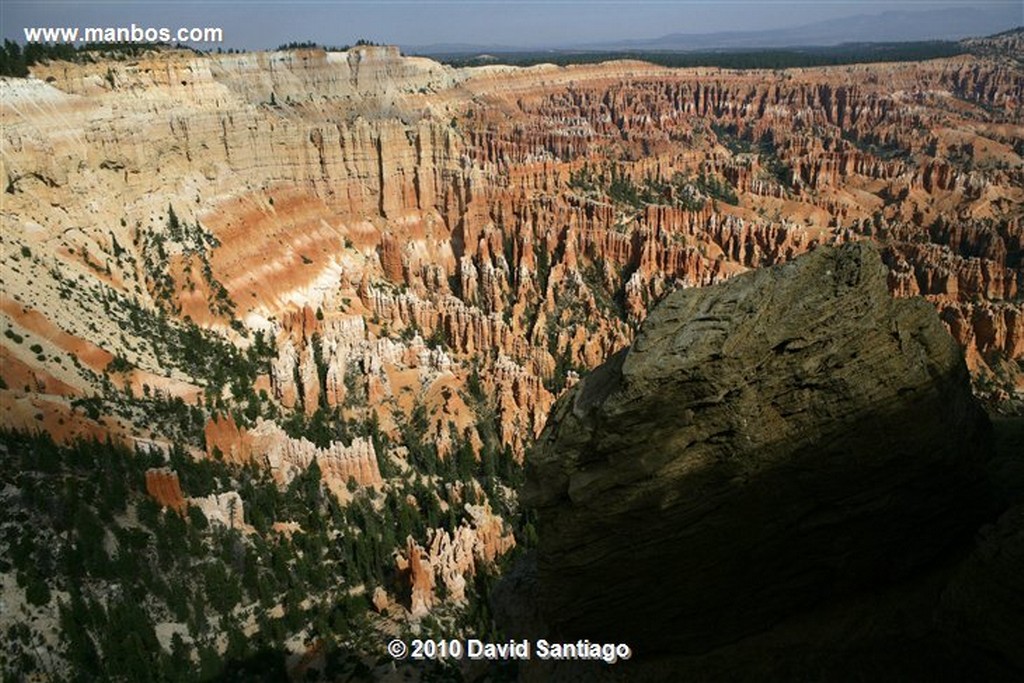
(403, 197)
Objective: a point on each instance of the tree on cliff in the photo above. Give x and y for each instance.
(12, 60)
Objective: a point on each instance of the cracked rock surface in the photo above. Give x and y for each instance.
(788, 438)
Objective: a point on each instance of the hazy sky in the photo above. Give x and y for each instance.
(266, 24)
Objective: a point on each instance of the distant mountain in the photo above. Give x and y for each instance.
(951, 23)
(457, 49)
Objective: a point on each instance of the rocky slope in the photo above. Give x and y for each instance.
(768, 447)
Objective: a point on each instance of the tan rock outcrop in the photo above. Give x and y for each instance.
(452, 558)
(285, 457)
(737, 423)
(417, 574)
(226, 509)
(163, 486)
(224, 439)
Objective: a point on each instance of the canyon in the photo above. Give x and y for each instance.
(370, 270)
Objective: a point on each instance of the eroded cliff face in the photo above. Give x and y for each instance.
(455, 203)
(443, 252)
(226, 509)
(284, 457)
(450, 560)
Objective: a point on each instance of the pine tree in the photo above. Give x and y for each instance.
(12, 60)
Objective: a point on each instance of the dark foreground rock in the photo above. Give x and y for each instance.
(791, 453)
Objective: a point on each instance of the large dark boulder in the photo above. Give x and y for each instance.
(791, 437)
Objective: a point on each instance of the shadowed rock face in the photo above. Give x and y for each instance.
(768, 444)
